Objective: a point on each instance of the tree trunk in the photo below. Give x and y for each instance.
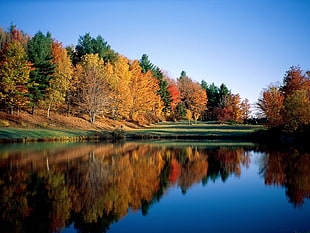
(68, 105)
(49, 109)
(12, 109)
(92, 117)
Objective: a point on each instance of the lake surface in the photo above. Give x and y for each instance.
(162, 186)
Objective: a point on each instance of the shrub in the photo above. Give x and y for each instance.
(4, 123)
(118, 134)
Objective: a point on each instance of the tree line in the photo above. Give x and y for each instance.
(91, 78)
(287, 106)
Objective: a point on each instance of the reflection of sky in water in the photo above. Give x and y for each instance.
(240, 204)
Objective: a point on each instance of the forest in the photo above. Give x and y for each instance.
(39, 73)
(91, 78)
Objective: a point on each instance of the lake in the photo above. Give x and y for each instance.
(155, 186)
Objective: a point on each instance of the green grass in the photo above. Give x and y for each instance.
(16, 133)
(176, 130)
(201, 129)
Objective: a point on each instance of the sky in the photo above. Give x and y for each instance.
(245, 44)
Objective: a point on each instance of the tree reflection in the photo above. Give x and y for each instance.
(289, 168)
(94, 185)
(224, 162)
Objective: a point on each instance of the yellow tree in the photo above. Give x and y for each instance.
(60, 83)
(296, 91)
(193, 96)
(189, 115)
(92, 90)
(14, 75)
(118, 77)
(122, 89)
(199, 101)
(235, 105)
(297, 109)
(143, 88)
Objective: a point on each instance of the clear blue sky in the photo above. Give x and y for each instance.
(246, 44)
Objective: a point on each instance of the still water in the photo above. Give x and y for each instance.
(161, 186)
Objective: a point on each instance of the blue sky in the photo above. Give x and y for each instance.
(246, 44)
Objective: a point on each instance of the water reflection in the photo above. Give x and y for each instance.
(289, 168)
(46, 187)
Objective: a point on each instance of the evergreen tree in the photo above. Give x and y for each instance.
(223, 93)
(163, 89)
(183, 74)
(145, 64)
(213, 94)
(89, 45)
(40, 55)
(181, 111)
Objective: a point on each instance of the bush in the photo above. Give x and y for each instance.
(118, 134)
(4, 123)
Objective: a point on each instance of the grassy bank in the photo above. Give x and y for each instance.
(165, 130)
(32, 135)
(207, 130)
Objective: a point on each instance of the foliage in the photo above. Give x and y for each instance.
(287, 106)
(271, 104)
(60, 83)
(40, 55)
(143, 90)
(14, 75)
(163, 91)
(193, 96)
(92, 90)
(92, 78)
(4, 123)
(88, 45)
(225, 106)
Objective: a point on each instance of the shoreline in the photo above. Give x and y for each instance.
(164, 131)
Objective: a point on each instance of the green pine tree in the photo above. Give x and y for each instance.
(40, 55)
(89, 45)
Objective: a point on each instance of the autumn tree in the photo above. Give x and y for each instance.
(118, 78)
(14, 75)
(234, 102)
(175, 94)
(40, 55)
(245, 109)
(92, 87)
(288, 105)
(60, 83)
(297, 109)
(13, 34)
(145, 98)
(296, 91)
(271, 103)
(146, 66)
(175, 97)
(193, 96)
(235, 109)
(295, 79)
